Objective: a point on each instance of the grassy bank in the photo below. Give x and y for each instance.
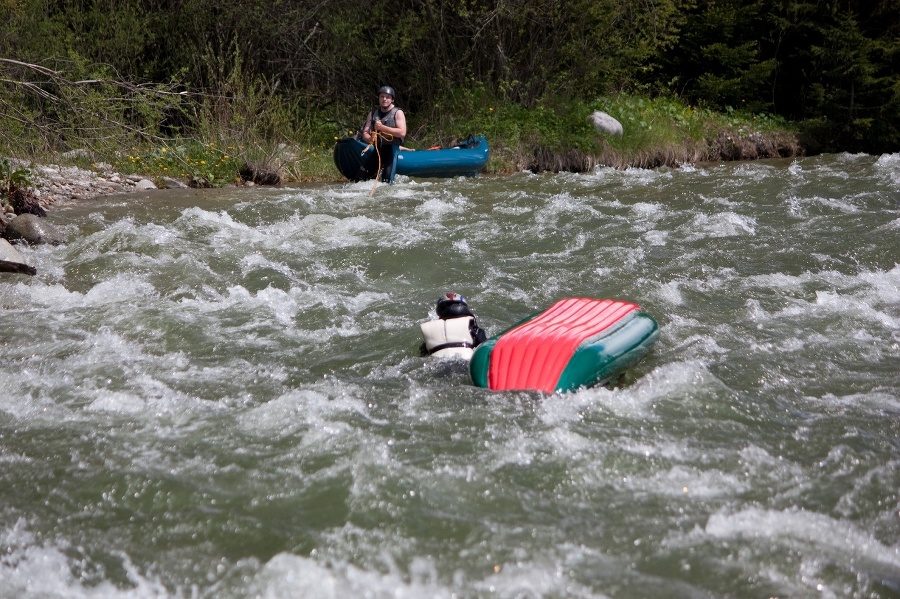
(549, 137)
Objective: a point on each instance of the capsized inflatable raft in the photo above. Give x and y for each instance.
(576, 342)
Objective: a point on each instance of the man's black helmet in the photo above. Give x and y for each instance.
(387, 89)
(452, 305)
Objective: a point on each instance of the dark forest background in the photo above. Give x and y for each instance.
(182, 65)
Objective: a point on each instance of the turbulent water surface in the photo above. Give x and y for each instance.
(219, 394)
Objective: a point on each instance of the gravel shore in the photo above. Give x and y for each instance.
(56, 185)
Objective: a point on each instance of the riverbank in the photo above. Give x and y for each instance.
(648, 133)
(60, 184)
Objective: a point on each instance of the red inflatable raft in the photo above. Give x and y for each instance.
(576, 342)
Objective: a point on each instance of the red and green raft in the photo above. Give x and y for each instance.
(576, 342)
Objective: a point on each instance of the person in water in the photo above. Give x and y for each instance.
(385, 127)
(455, 332)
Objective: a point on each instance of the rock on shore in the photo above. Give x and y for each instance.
(54, 185)
(57, 185)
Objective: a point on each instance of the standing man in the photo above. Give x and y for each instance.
(385, 127)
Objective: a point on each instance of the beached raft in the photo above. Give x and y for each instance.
(466, 159)
(576, 342)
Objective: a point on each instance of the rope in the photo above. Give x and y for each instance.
(378, 170)
(375, 135)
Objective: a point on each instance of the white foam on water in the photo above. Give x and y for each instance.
(720, 201)
(658, 447)
(341, 232)
(525, 573)
(656, 238)
(885, 285)
(599, 173)
(119, 402)
(410, 189)
(512, 209)
(563, 206)
(754, 538)
(835, 303)
(888, 167)
(218, 222)
(150, 397)
(288, 575)
(669, 293)
(309, 232)
(643, 176)
(834, 205)
(8, 457)
(119, 289)
(317, 414)
(539, 574)
(891, 226)
(285, 306)
(797, 206)
(872, 488)
(256, 261)
(364, 195)
(34, 569)
(639, 400)
(562, 408)
(867, 294)
(725, 224)
(436, 209)
(689, 345)
(852, 157)
(682, 481)
(875, 400)
(755, 172)
(80, 384)
(544, 575)
(678, 470)
(649, 210)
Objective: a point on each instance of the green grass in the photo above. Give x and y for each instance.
(182, 160)
(553, 135)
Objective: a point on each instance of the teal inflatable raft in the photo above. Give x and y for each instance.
(576, 342)
(464, 160)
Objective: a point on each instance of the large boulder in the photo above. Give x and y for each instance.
(12, 260)
(606, 124)
(33, 230)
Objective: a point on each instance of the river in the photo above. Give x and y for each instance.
(218, 393)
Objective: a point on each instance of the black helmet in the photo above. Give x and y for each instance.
(387, 89)
(452, 305)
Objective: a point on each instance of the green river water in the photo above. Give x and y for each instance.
(219, 393)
